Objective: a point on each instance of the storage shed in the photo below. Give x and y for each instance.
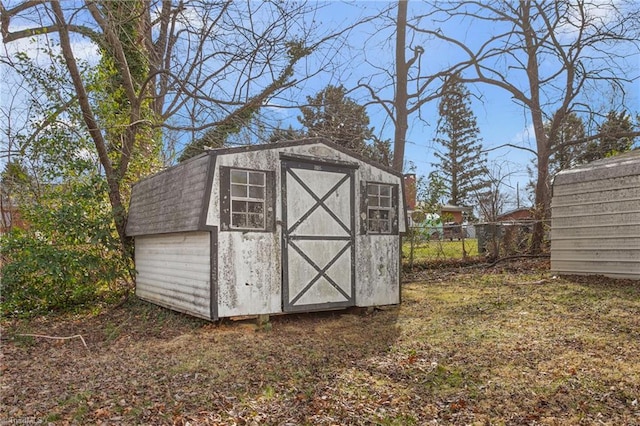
(595, 218)
(290, 227)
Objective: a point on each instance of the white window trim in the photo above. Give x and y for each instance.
(248, 199)
(388, 209)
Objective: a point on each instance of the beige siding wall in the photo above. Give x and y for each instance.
(173, 270)
(596, 227)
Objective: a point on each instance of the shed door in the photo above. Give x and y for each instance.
(318, 235)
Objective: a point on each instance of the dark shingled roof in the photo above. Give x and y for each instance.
(170, 201)
(176, 199)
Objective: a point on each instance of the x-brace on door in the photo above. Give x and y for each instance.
(318, 235)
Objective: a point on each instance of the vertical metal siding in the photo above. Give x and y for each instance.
(173, 271)
(595, 227)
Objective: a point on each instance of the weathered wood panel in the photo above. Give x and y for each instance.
(595, 220)
(248, 274)
(249, 267)
(173, 270)
(270, 160)
(319, 235)
(377, 270)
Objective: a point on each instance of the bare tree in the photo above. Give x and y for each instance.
(12, 109)
(410, 86)
(179, 65)
(493, 200)
(548, 56)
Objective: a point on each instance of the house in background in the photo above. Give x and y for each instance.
(448, 222)
(10, 216)
(289, 227)
(522, 214)
(595, 218)
(451, 213)
(410, 190)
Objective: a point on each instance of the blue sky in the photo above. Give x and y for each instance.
(500, 120)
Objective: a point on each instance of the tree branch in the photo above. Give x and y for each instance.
(598, 136)
(510, 145)
(78, 336)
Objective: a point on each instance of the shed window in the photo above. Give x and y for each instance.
(380, 208)
(247, 199)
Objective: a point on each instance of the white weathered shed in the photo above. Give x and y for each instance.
(289, 227)
(595, 218)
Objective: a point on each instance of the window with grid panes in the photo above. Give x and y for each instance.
(247, 199)
(379, 208)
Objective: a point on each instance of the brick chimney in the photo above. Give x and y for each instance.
(410, 190)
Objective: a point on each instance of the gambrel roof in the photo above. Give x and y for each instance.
(170, 201)
(176, 199)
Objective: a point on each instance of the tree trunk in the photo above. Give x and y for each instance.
(401, 88)
(542, 195)
(542, 141)
(113, 180)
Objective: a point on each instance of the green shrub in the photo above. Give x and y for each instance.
(67, 257)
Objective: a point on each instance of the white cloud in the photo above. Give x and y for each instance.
(524, 137)
(598, 13)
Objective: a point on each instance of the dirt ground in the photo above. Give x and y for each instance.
(506, 345)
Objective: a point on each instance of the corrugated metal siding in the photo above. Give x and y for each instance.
(607, 168)
(595, 224)
(171, 201)
(173, 270)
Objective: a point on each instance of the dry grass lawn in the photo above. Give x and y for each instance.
(440, 249)
(508, 345)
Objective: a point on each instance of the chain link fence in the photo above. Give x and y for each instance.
(451, 240)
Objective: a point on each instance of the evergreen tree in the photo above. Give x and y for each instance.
(564, 153)
(332, 115)
(288, 134)
(609, 142)
(462, 164)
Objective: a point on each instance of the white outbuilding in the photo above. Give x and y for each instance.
(595, 218)
(289, 227)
